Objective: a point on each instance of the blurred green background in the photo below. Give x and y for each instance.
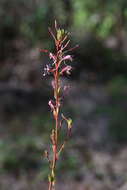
(95, 157)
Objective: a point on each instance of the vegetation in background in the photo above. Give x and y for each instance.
(100, 75)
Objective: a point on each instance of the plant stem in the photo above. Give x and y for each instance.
(57, 68)
(57, 104)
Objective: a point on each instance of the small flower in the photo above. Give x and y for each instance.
(52, 56)
(47, 70)
(67, 57)
(51, 105)
(66, 69)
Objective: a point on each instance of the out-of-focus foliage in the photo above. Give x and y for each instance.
(31, 17)
(23, 18)
(103, 17)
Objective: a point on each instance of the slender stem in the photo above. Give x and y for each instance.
(56, 89)
(50, 186)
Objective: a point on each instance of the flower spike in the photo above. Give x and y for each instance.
(58, 68)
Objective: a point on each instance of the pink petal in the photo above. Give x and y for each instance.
(67, 57)
(52, 56)
(51, 105)
(66, 69)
